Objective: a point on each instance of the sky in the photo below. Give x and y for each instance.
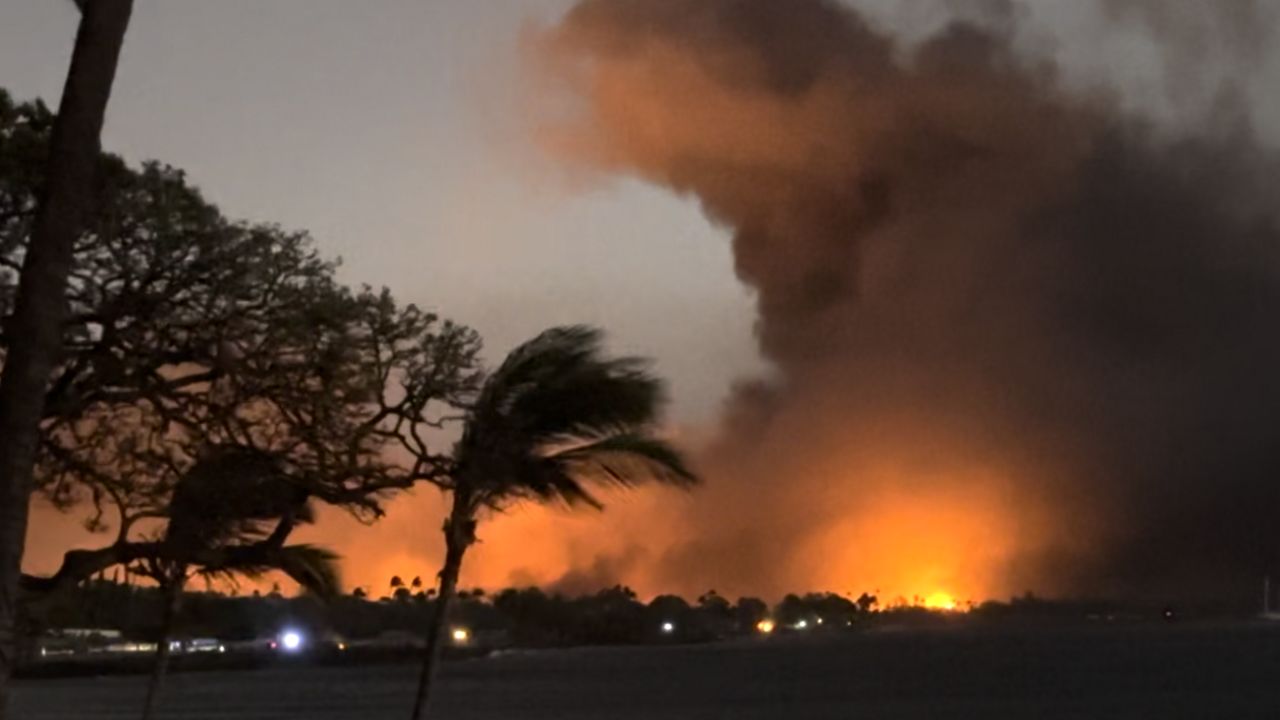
(398, 133)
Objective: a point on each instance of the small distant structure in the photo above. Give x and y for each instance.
(1267, 612)
(72, 642)
(88, 633)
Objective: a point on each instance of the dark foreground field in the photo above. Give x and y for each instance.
(1093, 673)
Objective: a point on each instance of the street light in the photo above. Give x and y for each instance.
(291, 641)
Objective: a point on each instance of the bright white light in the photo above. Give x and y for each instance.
(819, 621)
(802, 624)
(668, 627)
(291, 640)
(460, 635)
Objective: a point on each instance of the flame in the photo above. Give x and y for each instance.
(941, 601)
(909, 537)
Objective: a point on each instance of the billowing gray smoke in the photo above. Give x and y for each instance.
(980, 291)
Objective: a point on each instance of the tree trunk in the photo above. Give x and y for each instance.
(34, 330)
(172, 602)
(459, 533)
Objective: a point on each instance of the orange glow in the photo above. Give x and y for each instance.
(910, 536)
(765, 626)
(940, 601)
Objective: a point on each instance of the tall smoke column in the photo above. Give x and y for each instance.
(1020, 340)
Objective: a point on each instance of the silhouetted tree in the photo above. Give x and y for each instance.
(229, 501)
(792, 610)
(555, 418)
(669, 608)
(748, 613)
(32, 331)
(188, 331)
(713, 603)
(396, 582)
(416, 584)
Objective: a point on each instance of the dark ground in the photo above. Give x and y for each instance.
(1090, 673)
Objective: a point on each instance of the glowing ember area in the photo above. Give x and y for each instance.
(941, 601)
(929, 539)
(910, 535)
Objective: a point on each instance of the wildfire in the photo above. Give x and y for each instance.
(946, 539)
(941, 601)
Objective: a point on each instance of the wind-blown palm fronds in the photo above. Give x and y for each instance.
(555, 422)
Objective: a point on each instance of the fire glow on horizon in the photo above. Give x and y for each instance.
(902, 533)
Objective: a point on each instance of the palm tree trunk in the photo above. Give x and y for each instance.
(172, 602)
(35, 329)
(456, 541)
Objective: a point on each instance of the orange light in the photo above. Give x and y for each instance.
(765, 626)
(940, 601)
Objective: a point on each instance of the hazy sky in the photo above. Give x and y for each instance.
(386, 129)
(393, 130)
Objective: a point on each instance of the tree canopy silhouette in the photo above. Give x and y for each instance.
(189, 332)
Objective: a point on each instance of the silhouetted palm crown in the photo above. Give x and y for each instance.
(238, 496)
(558, 416)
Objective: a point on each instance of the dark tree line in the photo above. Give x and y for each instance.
(526, 617)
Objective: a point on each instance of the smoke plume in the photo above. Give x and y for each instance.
(1021, 339)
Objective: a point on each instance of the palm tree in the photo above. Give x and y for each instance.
(232, 499)
(34, 330)
(554, 420)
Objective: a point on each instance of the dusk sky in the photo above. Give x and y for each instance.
(404, 136)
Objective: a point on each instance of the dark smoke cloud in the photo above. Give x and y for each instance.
(980, 293)
(604, 571)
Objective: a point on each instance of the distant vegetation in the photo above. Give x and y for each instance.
(527, 617)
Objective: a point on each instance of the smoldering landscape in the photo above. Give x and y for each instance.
(1219, 670)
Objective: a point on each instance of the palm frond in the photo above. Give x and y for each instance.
(232, 492)
(313, 567)
(560, 385)
(559, 417)
(626, 460)
(570, 475)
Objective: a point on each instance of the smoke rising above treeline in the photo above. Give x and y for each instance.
(1020, 338)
